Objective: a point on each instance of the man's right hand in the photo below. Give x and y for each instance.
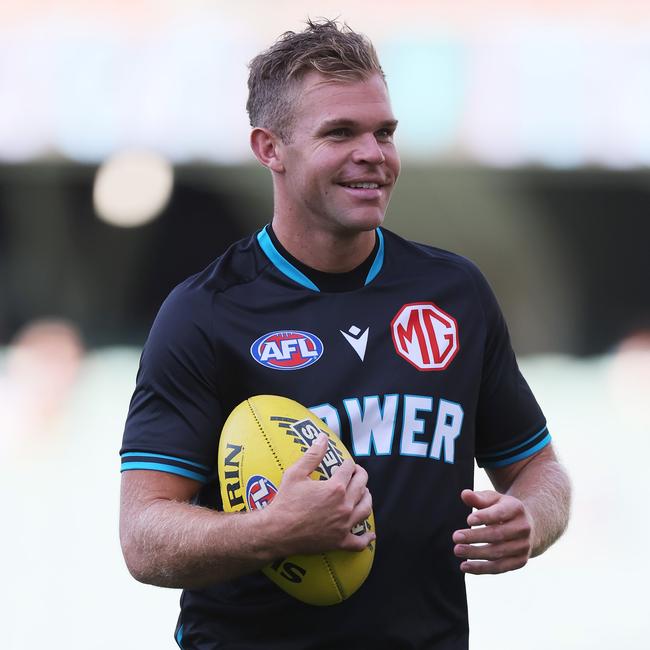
(308, 516)
(169, 542)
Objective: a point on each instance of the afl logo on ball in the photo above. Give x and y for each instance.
(287, 350)
(259, 492)
(425, 336)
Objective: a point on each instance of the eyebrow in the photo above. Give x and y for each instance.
(339, 122)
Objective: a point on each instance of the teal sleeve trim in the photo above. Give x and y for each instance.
(160, 467)
(506, 452)
(521, 456)
(150, 455)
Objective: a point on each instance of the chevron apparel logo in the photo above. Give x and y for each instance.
(357, 339)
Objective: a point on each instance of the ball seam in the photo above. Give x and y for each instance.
(261, 428)
(335, 579)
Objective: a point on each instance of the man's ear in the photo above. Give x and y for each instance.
(267, 149)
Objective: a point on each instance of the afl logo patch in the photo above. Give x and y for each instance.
(259, 492)
(425, 335)
(287, 350)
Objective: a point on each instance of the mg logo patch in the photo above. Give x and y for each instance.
(287, 350)
(425, 335)
(259, 492)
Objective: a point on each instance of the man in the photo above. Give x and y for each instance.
(414, 370)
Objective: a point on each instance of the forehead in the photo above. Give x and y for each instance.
(322, 99)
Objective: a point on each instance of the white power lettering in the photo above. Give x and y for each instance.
(413, 425)
(328, 414)
(372, 427)
(448, 426)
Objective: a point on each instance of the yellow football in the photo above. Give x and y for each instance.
(261, 438)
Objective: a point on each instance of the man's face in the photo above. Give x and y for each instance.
(341, 164)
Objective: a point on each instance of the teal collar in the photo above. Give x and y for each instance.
(287, 268)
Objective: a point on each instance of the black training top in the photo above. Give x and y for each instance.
(407, 358)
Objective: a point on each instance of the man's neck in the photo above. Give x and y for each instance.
(326, 251)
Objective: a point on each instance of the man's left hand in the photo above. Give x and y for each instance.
(504, 533)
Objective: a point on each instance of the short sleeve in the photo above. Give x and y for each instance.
(174, 415)
(510, 424)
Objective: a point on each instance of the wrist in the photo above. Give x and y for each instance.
(265, 535)
(533, 516)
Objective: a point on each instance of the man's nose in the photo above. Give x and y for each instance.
(368, 150)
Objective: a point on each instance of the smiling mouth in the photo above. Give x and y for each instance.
(364, 191)
(361, 186)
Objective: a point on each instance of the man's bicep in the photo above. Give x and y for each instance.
(503, 477)
(175, 412)
(142, 487)
(141, 523)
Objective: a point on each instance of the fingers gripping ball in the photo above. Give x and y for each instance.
(262, 437)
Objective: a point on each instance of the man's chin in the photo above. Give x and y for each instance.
(364, 220)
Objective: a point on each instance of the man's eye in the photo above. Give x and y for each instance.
(339, 133)
(385, 134)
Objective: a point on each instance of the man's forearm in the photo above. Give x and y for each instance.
(179, 545)
(169, 542)
(544, 488)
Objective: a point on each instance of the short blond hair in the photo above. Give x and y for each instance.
(325, 46)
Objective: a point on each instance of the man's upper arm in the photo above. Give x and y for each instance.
(144, 486)
(141, 488)
(503, 477)
(175, 412)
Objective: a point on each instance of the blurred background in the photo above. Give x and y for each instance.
(125, 167)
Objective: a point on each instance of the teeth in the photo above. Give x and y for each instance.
(365, 186)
